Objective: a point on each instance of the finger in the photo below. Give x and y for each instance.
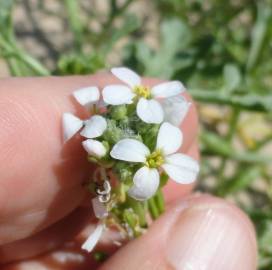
(40, 180)
(45, 240)
(44, 176)
(201, 232)
(67, 228)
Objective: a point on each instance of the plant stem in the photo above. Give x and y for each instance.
(152, 206)
(159, 200)
(33, 64)
(249, 102)
(139, 209)
(232, 129)
(116, 11)
(259, 32)
(75, 23)
(215, 145)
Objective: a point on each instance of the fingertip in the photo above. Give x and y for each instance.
(200, 232)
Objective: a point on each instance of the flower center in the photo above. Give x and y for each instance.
(142, 91)
(155, 159)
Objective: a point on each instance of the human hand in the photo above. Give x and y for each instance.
(42, 196)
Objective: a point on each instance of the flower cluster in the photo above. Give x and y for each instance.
(133, 136)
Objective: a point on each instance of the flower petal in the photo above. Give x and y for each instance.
(70, 125)
(94, 127)
(94, 148)
(100, 210)
(167, 89)
(146, 182)
(181, 168)
(93, 239)
(127, 75)
(149, 111)
(117, 94)
(175, 109)
(130, 150)
(169, 138)
(87, 96)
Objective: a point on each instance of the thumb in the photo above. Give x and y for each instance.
(201, 232)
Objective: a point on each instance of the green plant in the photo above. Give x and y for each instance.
(220, 49)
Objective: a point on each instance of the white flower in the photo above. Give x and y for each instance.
(148, 108)
(179, 167)
(93, 239)
(70, 125)
(94, 148)
(92, 128)
(175, 109)
(100, 212)
(87, 96)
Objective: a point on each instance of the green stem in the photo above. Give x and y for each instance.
(159, 200)
(232, 129)
(18, 59)
(249, 102)
(153, 209)
(108, 25)
(32, 63)
(139, 209)
(116, 11)
(259, 33)
(215, 145)
(73, 12)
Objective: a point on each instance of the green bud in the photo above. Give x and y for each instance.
(113, 133)
(163, 179)
(121, 192)
(118, 112)
(100, 256)
(125, 121)
(149, 134)
(130, 218)
(106, 145)
(124, 170)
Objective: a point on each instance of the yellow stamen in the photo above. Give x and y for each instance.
(155, 159)
(142, 91)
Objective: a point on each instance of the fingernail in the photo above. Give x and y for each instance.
(211, 237)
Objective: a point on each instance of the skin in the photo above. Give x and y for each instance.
(42, 199)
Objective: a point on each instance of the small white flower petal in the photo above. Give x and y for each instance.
(94, 148)
(181, 168)
(169, 138)
(100, 210)
(146, 182)
(150, 111)
(87, 96)
(167, 89)
(94, 127)
(70, 125)
(93, 239)
(126, 75)
(130, 150)
(117, 94)
(175, 109)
